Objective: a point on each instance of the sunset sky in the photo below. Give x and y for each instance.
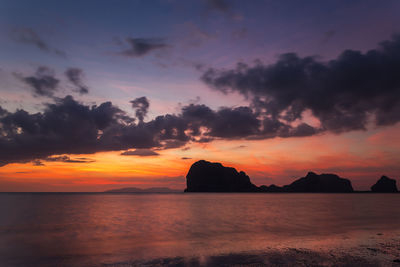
(96, 95)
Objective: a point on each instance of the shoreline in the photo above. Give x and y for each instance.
(290, 256)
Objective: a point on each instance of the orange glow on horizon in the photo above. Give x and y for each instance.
(359, 156)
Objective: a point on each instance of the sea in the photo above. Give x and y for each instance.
(199, 229)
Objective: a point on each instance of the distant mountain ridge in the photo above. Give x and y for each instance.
(146, 190)
(205, 176)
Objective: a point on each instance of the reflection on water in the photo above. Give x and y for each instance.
(96, 229)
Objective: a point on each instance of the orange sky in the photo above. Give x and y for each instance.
(360, 156)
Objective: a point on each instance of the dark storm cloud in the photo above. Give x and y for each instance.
(70, 127)
(228, 123)
(142, 46)
(237, 123)
(75, 76)
(43, 82)
(141, 106)
(344, 93)
(234, 123)
(140, 152)
(29, 36)
(65, 127)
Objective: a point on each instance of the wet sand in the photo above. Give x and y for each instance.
(384, 252)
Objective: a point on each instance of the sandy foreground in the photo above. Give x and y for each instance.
(381, 252)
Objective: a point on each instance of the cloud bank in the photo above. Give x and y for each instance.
(344, 94)
(70, 127)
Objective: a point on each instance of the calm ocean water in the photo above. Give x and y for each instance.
(123, 229)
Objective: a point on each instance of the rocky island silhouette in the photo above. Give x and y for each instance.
(385, 185)
(205, 176)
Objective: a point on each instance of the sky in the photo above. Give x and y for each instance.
(96, 95)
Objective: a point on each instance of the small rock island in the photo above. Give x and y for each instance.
(385, 185)
(323, 183)
(205, 176)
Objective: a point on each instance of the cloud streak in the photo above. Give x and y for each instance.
(30, 37)
(63, 158)
(140, 152)
(68, 159)
(75, 76)
(139, 47)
